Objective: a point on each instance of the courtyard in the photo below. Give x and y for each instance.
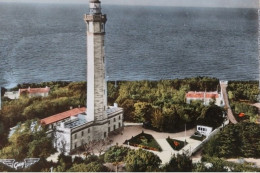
(131, 130)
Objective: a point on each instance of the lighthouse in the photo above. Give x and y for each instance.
(77, 127)
(96, 72)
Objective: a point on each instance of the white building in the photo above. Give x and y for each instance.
(204, 130)
(78, 131)
(205, 97)
(32, 92)
(12, 94)
(73, 129)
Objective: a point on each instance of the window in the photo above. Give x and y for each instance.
(82, 133)
(114, 119)
(119, 125)
(102, 27)
(109, 122)
(119, 117)
(103, 59)
(108, 129)
(114, 127)
(75, 136)
(88, 130)
(105, 134)
(75, 146)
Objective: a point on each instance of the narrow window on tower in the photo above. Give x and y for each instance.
(103, 59)
(102, 27)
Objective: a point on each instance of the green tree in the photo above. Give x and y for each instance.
(211, 116)
(179, 163)
(143, 111)
(141, 161)
(157, 119)
(115, 154)
(64, 163)
(91, 158)
(128, 106)
(41, 148)
(112, 93)
(91, 167)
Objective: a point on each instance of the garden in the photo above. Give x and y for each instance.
(176, 144)
(144, 141)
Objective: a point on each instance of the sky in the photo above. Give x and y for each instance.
(186, 3)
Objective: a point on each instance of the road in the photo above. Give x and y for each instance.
(258, 119)
(230, 115)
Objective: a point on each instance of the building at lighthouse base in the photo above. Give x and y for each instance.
(70, 131)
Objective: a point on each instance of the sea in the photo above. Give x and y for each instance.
(47, 42)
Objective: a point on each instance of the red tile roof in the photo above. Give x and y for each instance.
(35, 90)
(192, 94)
(63, 115)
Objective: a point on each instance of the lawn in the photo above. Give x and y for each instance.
(144, 141)
(176, 144)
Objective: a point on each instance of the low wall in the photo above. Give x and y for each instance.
(132, 124)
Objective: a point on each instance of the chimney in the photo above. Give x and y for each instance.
(71, 107)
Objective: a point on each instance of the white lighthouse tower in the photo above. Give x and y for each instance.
(96, 73)
(77, 127)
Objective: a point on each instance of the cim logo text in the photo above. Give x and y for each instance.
(19, 165)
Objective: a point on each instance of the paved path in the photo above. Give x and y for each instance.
(258, 106)
(230, 115)
(166, 152)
